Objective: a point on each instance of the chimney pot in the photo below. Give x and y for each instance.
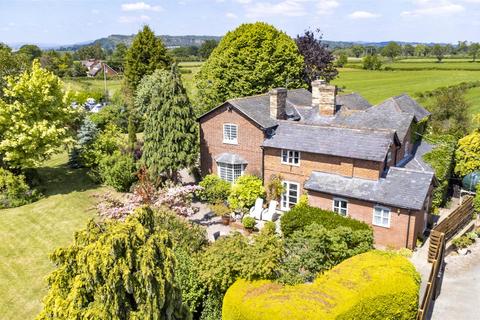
(278, 103)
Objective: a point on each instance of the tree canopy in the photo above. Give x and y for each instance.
(318, 59)
(392, 50)
(146, 54)
(116, 270)
(439, 52)
(207, 48)
(249, 60)
(170, 124)
(31, 51)
(467, 155)
(35, 118)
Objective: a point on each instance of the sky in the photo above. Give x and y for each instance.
(74, 21)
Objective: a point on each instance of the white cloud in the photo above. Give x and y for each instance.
(433, 8)
(231, 15)
(140, 6)
(363, 15)
(326, 6)
(132, 19)
(291, 8)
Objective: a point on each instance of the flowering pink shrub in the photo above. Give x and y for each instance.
(176, 198)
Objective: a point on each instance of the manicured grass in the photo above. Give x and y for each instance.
(377, 86)
(89, 84)
(473, 97)
(28, 234)
(188, 79)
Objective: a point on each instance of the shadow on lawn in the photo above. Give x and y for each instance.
(62, 179)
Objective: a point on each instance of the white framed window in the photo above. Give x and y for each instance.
(340, 206)
(291, 157)
(230, 133)
(290, 195)
(381, 216)
(230, 172)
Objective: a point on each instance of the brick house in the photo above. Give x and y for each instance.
(348, 156)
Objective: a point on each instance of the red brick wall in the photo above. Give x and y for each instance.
(395, 236)
(316, 162)
(250, 138)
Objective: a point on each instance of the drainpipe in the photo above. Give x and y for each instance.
(263, 165)
(408, 226)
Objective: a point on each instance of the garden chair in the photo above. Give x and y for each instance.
(270, 214)
(256, 210)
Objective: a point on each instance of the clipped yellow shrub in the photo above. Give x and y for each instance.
(373, 285)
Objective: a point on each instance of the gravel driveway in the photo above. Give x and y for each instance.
(460, 295)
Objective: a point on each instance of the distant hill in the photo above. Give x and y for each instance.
(347, 44)
(110, 42)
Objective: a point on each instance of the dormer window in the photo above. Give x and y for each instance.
(230, 133)
(291, 157)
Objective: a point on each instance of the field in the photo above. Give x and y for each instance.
(29, 233)
(188, 70)
(90, 84)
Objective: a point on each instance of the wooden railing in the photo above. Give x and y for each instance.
(458, 219)
(442, 233)
(432, 289)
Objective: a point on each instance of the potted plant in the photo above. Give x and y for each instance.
(223, 211)
(248, 223)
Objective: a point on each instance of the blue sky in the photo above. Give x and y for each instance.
(73, 21)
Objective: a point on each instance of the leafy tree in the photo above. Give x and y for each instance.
(467, 155)
(249, 60)
(421, 50)
(85, 138)
(36, 104)
(117, 58)
(118, 171)
(450, 113)
(207, 48)
(318, 59)
(185, 52)
(392, 50)
(10, 65)
(371, 62)
(408, 50)
(474, 50)
(170, 124)
(146, 54)
(439, 52)
(316, 249)
(116, 270)
(357, 50)
(342, 60)
(31, 51)
(90, 52)
(78, 69)
(14, 190)
(462, 47)
(245, 191)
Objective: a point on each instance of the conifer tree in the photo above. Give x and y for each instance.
(116, 270)
(170, 127)
(146, 54)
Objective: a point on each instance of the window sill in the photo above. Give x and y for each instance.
(377, 225)
(230, 142)
(290, 164)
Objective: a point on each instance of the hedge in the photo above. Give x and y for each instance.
(373, 285)
(302, 216)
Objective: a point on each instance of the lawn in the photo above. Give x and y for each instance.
(29, 233)
(377, 86)
(189, 69)
(90, 84)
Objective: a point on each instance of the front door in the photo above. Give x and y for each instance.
(290, 195)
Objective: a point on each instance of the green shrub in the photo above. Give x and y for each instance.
(270, 227)
(372, 62)
(248, 222)
(14, 190)
(214, 189)
(245, 191)
(220, 209)
(372, 285)
(472, 235)
(118, 171)
(275, 188)
(476, 200)
(462, 242)
(316, 249)
(302, 216)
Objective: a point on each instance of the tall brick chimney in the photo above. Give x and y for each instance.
(324, 97)
(278, 103)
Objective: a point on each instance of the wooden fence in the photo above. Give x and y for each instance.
(432, 290)
(442, 233)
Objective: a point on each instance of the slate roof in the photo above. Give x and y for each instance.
(230, 158)
(404, 103)
(353, 101)
(416, 162)
(382, 116)
(400, 188)
(363, 144)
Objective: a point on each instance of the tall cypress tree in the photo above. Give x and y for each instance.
(146, 54)
(170, 127)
